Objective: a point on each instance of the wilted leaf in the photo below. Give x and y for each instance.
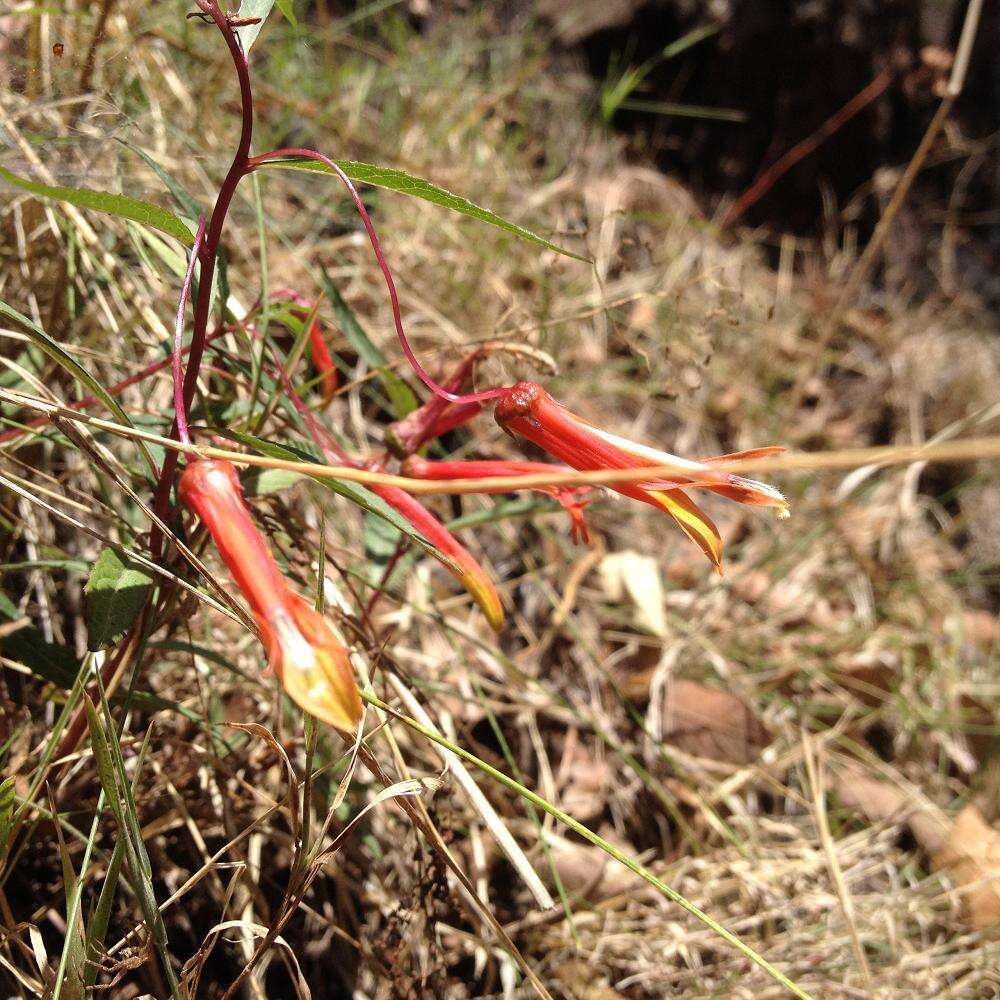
(587, 870)
(882, 802)
(637, 576)
(586, 785)
(583, 982)
(116, 591)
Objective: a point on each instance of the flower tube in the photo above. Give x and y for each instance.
(311, 664)
(463, 565)
(527, 409)
(460, 562)
(329, 377)
(567, 496)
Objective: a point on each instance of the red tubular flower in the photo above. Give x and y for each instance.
(567, 496)
(323, 362)
(466, 570)
(321, 358)
(436, 416)
(301, 649)
(527, 409)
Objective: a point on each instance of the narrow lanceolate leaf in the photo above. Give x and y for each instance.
(116, 591)
(394, 179)
(119, 205)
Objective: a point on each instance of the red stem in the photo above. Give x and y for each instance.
(437, 389)
(180, 409)
(209, 253)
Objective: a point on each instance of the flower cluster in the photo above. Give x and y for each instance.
(302, 649)
(528, 410)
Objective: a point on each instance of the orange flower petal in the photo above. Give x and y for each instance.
(528, 410)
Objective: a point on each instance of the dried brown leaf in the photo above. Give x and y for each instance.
(707, 722)
(972, 854)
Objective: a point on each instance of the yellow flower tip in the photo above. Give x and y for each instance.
(692, 520)
(784, 513)
(314, 669)
(480, 588)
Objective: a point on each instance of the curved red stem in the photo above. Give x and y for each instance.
(209, 252)
(435, 387)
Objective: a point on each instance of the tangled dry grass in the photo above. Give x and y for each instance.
(787, 747)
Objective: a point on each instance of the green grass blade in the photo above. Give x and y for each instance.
(56, 353)
(401, 396)
(97, 928)
(70, 973)
(114, 780)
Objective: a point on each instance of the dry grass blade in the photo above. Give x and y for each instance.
(960, 450)
(597, 841)
(489, 815)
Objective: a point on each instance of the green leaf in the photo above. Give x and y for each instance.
(404, 402)
(54, 351)
(56, 664)
(381, 539)
(287, 11)
(258, 9)
(355, 333)
(393, 179)
(180, 194)
(6, 807)
(119, 205)
(259, 482)
(354, 492)
(115, 591)
(381, 543)
(401, 396)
